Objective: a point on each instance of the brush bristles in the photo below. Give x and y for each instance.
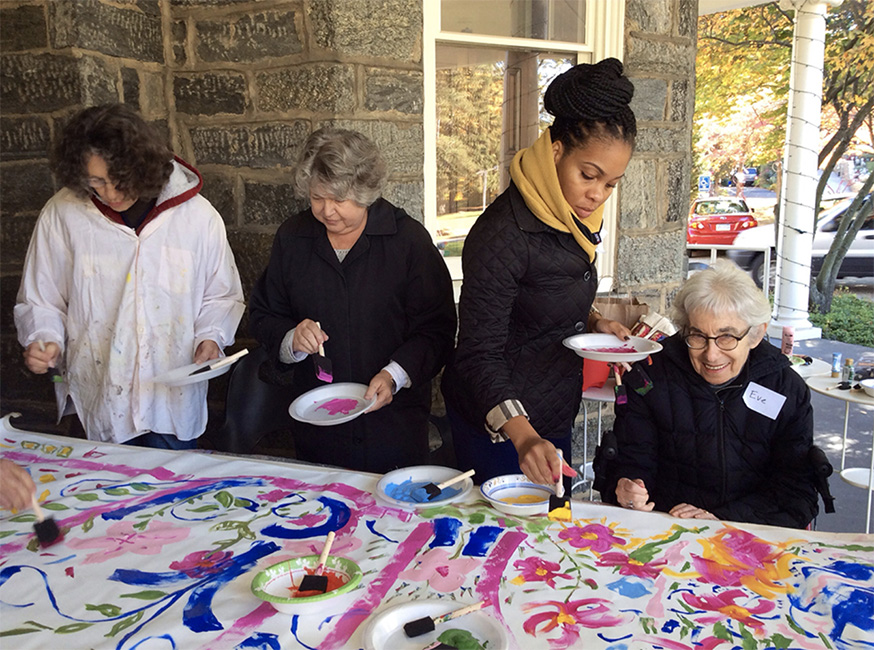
(47, 532)
(419, 627)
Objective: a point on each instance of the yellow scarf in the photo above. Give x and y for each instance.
(533, 171)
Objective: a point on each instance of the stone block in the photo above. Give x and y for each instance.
(650, 99)
(260, 147)
(687, 19)
(682, 101)
(210, 93)
(179, 34)
(269, 204)
(649, 16)
(639, 195)
(218, 189)
(400, 91)
(674, 57)
(389, 29)
(25, 187)
(130, 84)
(23, 28)
(41, 83)
(201, 3)
(153, 102)
(663, 140)
(321, 88)
(251, 254)
(121, 32)
(22, 138)
(678, 179)
(653, 259)
(409, 196)
(401, 144)
(15, 233)
(248, 37)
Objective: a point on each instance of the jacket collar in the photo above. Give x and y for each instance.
(381, 220)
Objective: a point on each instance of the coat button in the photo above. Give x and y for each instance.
(358, 440)
(587, 276)
(580, 326)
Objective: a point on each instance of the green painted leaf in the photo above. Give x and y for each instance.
(477, 518)
(225, 498)
(119, 491)
(779, 641)
(88, 496)
(55, 506)
(6, 533)
(149, 594)
(24, 517)
(108, 610)
(205, 508)
(72, 627)
(125, 623)
(242, 503)
(17, 631)
(89, 524)
(141, 487)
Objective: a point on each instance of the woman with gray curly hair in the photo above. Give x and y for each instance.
(361, 277)
(725, 429)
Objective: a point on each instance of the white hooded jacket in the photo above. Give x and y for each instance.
(127, 306)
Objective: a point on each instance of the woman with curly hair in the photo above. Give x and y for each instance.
(512, 389)
(128, 275)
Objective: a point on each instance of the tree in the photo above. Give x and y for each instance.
(729, 77)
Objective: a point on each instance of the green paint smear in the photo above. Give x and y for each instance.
(461, 639)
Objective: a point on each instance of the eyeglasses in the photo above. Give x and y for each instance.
(97, 183)
(723, 341)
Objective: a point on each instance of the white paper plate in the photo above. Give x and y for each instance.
(593, 346)
(182, 376)
(385, 630)
(395, 486)
(857, 476)
(504, 493)
(331, 404)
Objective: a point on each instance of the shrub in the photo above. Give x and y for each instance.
(851, 319)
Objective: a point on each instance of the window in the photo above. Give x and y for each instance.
(487, 64)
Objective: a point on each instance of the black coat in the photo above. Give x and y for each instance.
(693, 444)
(526, 288)
(390, 299)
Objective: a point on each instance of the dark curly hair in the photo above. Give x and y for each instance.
(137, 157)
(591, 101)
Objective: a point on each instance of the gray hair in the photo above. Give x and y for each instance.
(721, 289)
(344, 164)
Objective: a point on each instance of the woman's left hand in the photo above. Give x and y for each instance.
(207, 351)
(614, 327)
(381, 386)
(688, 511)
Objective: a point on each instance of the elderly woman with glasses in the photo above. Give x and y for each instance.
(361, 277)
(724, 429)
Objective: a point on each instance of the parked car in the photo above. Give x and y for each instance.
(746, 176)
(858, 262)
(718, 220)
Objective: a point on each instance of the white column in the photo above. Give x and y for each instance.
(797, 210)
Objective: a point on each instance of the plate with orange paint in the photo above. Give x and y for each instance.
(331, 404)
(515, 494)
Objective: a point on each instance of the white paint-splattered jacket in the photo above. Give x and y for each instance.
(126, 306)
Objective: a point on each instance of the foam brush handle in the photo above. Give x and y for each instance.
(559, 484)
(321, 345)
(456, 479)
(40, 515)
(228, 360)
(324, 556)
(458, 613)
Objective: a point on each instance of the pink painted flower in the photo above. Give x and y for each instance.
(275, 495)
(597, 537)
(588, 612)
(121, 538)
(535, 569)
(441, 573)
(629, 566)
(203, 563)
(726, 603)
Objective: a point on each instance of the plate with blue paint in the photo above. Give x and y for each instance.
(405, 487)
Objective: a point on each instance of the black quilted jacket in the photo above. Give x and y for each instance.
(693, 444)
(526, 288)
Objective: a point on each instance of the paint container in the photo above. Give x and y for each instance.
(836, 364)
(788, 340)
(847, 372)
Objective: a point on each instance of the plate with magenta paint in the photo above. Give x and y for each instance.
(405, 487)
(612, 349)
(331, 404)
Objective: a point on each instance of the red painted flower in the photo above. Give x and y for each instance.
(588, 612)
(629, 566)
(535, 569)
(726, 603)
(596, 537)
(203, 563)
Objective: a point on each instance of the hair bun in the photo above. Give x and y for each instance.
(589, 91)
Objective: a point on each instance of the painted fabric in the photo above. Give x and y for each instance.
(160, 550)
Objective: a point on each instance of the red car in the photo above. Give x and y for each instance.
(718, 220)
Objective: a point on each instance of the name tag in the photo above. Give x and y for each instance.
(763, 400)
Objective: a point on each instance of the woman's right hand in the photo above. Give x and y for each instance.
(538, 458)
(308, 337)
(633, 494)
(39, 360)
(16, 486)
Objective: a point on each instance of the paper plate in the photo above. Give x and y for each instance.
(182, 376)
(606, 347)
(275, 583)
(399, 487)
(857, 476)
(331, 404)
(385, 630)
(514, 494)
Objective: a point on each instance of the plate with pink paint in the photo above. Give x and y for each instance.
(331, 404)
(609, 348)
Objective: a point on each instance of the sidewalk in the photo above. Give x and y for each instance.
(851, 503)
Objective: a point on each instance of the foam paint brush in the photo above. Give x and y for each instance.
(324, 369)
(432, 491)
(220, 362)
(46, 529)
(559, 504)
(317, 582)
(429, 623)
(54, 373)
